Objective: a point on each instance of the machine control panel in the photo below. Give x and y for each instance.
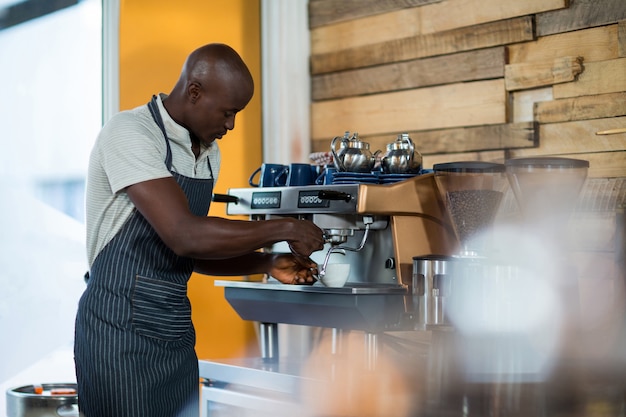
(293, 200)
(310, 199)
(265, 200)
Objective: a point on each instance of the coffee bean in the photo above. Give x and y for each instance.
(472, 211)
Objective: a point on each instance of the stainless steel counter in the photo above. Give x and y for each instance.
(282, 375)
(252, 386)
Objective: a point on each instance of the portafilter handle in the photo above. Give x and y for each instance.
(334, 195)
(225, 198)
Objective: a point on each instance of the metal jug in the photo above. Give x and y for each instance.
(401, 157)
(353, 155)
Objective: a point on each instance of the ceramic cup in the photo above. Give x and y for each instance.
(336, 275)
(301, 174)
(326, 177)
(272, 175)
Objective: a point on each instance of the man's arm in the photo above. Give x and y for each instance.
(164, 205)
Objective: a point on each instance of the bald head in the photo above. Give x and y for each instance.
(214, 82)
(215, 62)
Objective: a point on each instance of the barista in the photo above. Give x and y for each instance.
(150, 181)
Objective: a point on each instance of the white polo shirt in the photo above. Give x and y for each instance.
(131, 149)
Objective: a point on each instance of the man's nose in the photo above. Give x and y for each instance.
(230, 123)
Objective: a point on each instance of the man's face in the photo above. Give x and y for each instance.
(213, 113)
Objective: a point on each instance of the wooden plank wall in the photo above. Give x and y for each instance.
(469, 79)
(482, 80)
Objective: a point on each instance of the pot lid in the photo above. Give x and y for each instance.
(547, 162)
(469, 166)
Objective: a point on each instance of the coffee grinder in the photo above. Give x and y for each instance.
(503, 292)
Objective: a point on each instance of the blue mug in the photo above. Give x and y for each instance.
(272, 175)
(300, 174)
(326, 177)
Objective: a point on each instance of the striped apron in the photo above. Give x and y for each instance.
(134, 342)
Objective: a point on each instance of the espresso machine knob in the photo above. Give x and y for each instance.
(334, 195)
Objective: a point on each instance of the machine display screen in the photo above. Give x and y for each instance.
(310, 199)
(265, 200)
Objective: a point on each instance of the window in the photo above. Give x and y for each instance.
(51, 112)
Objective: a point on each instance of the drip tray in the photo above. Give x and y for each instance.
(372, 308)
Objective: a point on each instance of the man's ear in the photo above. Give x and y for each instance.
(193, 92)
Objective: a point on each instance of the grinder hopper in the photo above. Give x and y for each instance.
(472, 192)
(546, 190)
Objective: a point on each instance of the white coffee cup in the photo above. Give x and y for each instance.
(336, 275)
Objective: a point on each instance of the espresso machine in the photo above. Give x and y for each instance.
(441, 272)
(376, 228)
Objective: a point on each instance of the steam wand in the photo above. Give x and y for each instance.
(367, 220)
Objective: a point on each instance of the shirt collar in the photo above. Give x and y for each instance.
(175, 131)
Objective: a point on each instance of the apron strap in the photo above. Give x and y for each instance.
(156, 115)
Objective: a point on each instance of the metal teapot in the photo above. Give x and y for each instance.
(343, 146)
(353, 155)
(401, 157)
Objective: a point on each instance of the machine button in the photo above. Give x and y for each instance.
(390, 263)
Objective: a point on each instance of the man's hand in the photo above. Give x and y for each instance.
(293, 269)
(308, 238)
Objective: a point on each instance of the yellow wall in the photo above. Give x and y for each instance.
(155, 38)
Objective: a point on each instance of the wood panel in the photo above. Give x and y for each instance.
(325, 12)
(366, 31)
(465, 66)
(523, 103)
(598, 78)
(603, 164)
(621, 38)
(474, 139)
(465, 39)
(577, 137)
(581, 108)
(416, 68)
(597, 44)
(453, 14)
(453, 105)
(480, 138)
(581, 14)
(529, 75)
(457, 140)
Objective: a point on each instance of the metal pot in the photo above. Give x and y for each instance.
(55, 400)
(401, 157)
(353, 155)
